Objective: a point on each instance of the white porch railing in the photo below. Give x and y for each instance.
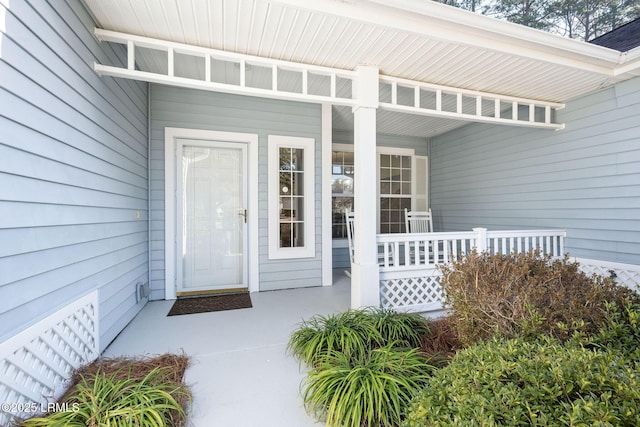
(409, 273)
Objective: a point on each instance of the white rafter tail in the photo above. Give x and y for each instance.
(463, 106)
(274, 77)
(241, 87)
(547, 114)
(464, 100)
(171, 62)
(456, 104)
(469, 117)
(305, 82)
(532, 112)
(207, 68)
(131, 55)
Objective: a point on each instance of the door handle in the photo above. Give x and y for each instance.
(243, 212)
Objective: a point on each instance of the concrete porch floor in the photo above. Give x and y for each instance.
(240, 374)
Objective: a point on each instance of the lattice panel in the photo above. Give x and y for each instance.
(624, 274)
(405, 292)
(35, 364)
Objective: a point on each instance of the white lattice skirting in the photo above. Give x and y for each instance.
(412, 290)
(35, 364)
(418, 290)
(625, 274)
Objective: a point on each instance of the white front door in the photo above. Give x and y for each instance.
(211, 216)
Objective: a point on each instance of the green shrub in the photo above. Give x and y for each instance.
(621, 331)
(516, 294)
(110, 400)
(354, 333)
(373, 389)
(521, 382)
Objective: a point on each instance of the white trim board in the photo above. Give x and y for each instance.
(171, 135)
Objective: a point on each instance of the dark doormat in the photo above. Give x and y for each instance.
(210, 303)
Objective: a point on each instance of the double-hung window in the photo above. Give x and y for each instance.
(395, 190)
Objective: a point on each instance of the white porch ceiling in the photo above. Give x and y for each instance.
(417, 40)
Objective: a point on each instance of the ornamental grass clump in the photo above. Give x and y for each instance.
(530, 294)
(366, 365)
(373, 389)
(354, 333)
(401, 329)
(350, 333)
(123, 392)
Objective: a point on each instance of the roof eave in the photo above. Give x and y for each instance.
(433, 20)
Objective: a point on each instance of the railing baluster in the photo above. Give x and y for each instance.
(407, 253)
(385, 250)
(396, 254)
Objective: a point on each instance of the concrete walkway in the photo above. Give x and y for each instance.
(240, 374)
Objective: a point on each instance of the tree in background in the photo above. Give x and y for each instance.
(579, 19)
(531, 13)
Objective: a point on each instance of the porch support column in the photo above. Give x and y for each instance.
(365, 285)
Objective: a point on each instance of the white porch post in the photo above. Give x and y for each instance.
(365, 286)
(481, 240)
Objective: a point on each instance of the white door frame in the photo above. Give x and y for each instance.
(170, 145)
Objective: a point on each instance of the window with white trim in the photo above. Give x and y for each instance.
(291, 197)
(402, 183)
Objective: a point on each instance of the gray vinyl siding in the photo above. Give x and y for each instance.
(340, 254)
(73, 171)
(186, 108)
(585, 178)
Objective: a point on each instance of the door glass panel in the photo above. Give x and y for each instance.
(213, 221)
